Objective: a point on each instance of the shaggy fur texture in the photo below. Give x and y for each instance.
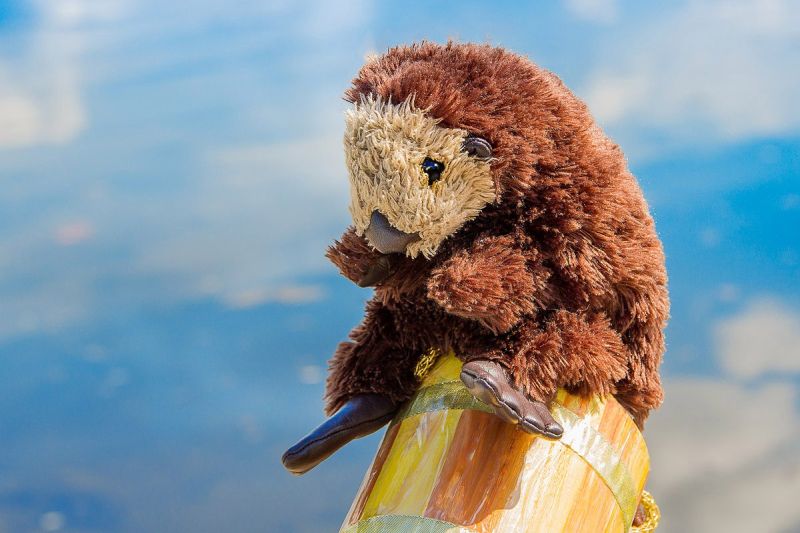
(385, 145)
(561, 279)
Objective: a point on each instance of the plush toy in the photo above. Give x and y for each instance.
(497, 221)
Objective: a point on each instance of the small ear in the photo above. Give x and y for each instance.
(477, 147)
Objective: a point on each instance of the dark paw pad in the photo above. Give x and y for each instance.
(489, 382)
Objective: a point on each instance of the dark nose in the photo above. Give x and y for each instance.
(386, 238)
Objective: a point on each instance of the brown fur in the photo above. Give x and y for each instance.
(561, 280)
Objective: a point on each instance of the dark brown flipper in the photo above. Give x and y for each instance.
(362, 415)
(488, 382)
(383, 267)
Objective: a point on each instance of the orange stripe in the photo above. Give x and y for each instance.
(486, 453)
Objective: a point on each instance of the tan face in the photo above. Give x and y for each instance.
(399, 199)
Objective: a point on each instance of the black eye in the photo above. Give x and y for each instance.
(477, 147)
(433, 169)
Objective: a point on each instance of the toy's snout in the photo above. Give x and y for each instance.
(386, 238)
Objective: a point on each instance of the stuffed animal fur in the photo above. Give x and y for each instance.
(494, 218)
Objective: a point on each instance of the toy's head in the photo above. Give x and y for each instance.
(414, 182)
(439, 133)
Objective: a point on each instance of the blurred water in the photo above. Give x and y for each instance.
(171, 173)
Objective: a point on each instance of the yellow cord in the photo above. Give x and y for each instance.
(425, 363)
(651, 512)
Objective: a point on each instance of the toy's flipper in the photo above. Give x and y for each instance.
(488, 382)
(380, 270)
(362, 415)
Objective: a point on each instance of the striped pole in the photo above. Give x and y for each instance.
(446, 464)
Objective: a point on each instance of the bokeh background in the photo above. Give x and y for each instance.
(171, 173)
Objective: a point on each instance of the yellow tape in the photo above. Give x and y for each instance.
(405, 524)
(440, 397)
(593, 448)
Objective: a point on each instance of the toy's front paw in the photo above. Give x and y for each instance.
(489, 283)
(488, 382)
(362, 415)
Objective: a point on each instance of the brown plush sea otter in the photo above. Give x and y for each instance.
(495, 219)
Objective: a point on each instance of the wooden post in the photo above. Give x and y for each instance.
(447, 465)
